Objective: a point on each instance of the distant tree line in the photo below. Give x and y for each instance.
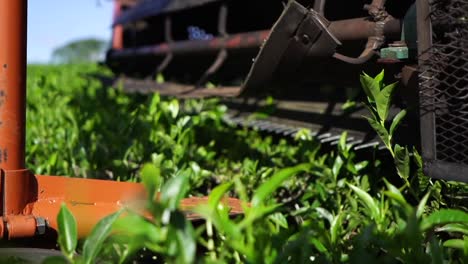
(80, 51)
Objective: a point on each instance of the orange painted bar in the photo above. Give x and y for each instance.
(117, 32)
(13, 23)
(91, 200)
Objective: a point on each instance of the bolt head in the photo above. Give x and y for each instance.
(305, 39)
(41, 225)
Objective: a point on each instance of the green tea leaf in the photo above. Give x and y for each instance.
(368, 201)
(454, 228)
(402, 161)
(268, 187)
(379, 78)
(174, 108)
(444, 216)
(95, 241)
(456, 243)
(220, 219)
(370, 86)
(422, 205)
(174, 191)
(218, 193)
(324, 213)
(335, 227)
(159, 78)
(151, 177)
(396, 121)
(68, 231)
(337, 166)
(395, 194)
(384, 100)
(141, 228)
(185, 238)
(436, 251)
(318, 245)
(381, 131)
(342, 147)
(279, 219)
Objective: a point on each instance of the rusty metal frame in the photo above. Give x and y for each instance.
(30, 203)
(222, 53)
(349, 29)
(434, 165)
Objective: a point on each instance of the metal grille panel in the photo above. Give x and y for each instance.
(444, 82)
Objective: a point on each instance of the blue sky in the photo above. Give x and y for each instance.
(52, 23)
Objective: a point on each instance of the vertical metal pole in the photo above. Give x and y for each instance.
(117, 32)
(426, 96)
(13, 26)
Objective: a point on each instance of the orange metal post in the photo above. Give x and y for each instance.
(29, 203)
(117, 32)
(13, 23)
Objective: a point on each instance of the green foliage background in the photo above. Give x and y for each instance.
(80, 51)
(308, 204)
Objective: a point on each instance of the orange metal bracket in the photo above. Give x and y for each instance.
(29, 203)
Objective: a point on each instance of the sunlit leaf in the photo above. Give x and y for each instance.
(422, 205)
(68, 230)
(456, 243)
(335, 227)
(95, 241)
(395, 194)
(383, 101)
(381, 131)
(185, 235)
(174, 191)
(396, 121)
(217, 194)
(174, 108)
(454, 228)
(402, 161)
(151, 177)
(370, 86)
(368, 201)
(270, 186)
(444, 216)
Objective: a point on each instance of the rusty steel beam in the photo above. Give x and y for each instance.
(349, 29)
(363, 28)
(238, 41)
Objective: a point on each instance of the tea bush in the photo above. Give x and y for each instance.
(302, 203)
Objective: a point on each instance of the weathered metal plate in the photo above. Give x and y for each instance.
(298, 34)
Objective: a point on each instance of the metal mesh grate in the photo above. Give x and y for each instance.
(444, 79)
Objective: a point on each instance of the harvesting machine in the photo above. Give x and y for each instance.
(308, 55)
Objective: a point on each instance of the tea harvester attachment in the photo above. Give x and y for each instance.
(29, 203)
(308, 55)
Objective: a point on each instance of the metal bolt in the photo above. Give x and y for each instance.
(41, 225)
(305, 39)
